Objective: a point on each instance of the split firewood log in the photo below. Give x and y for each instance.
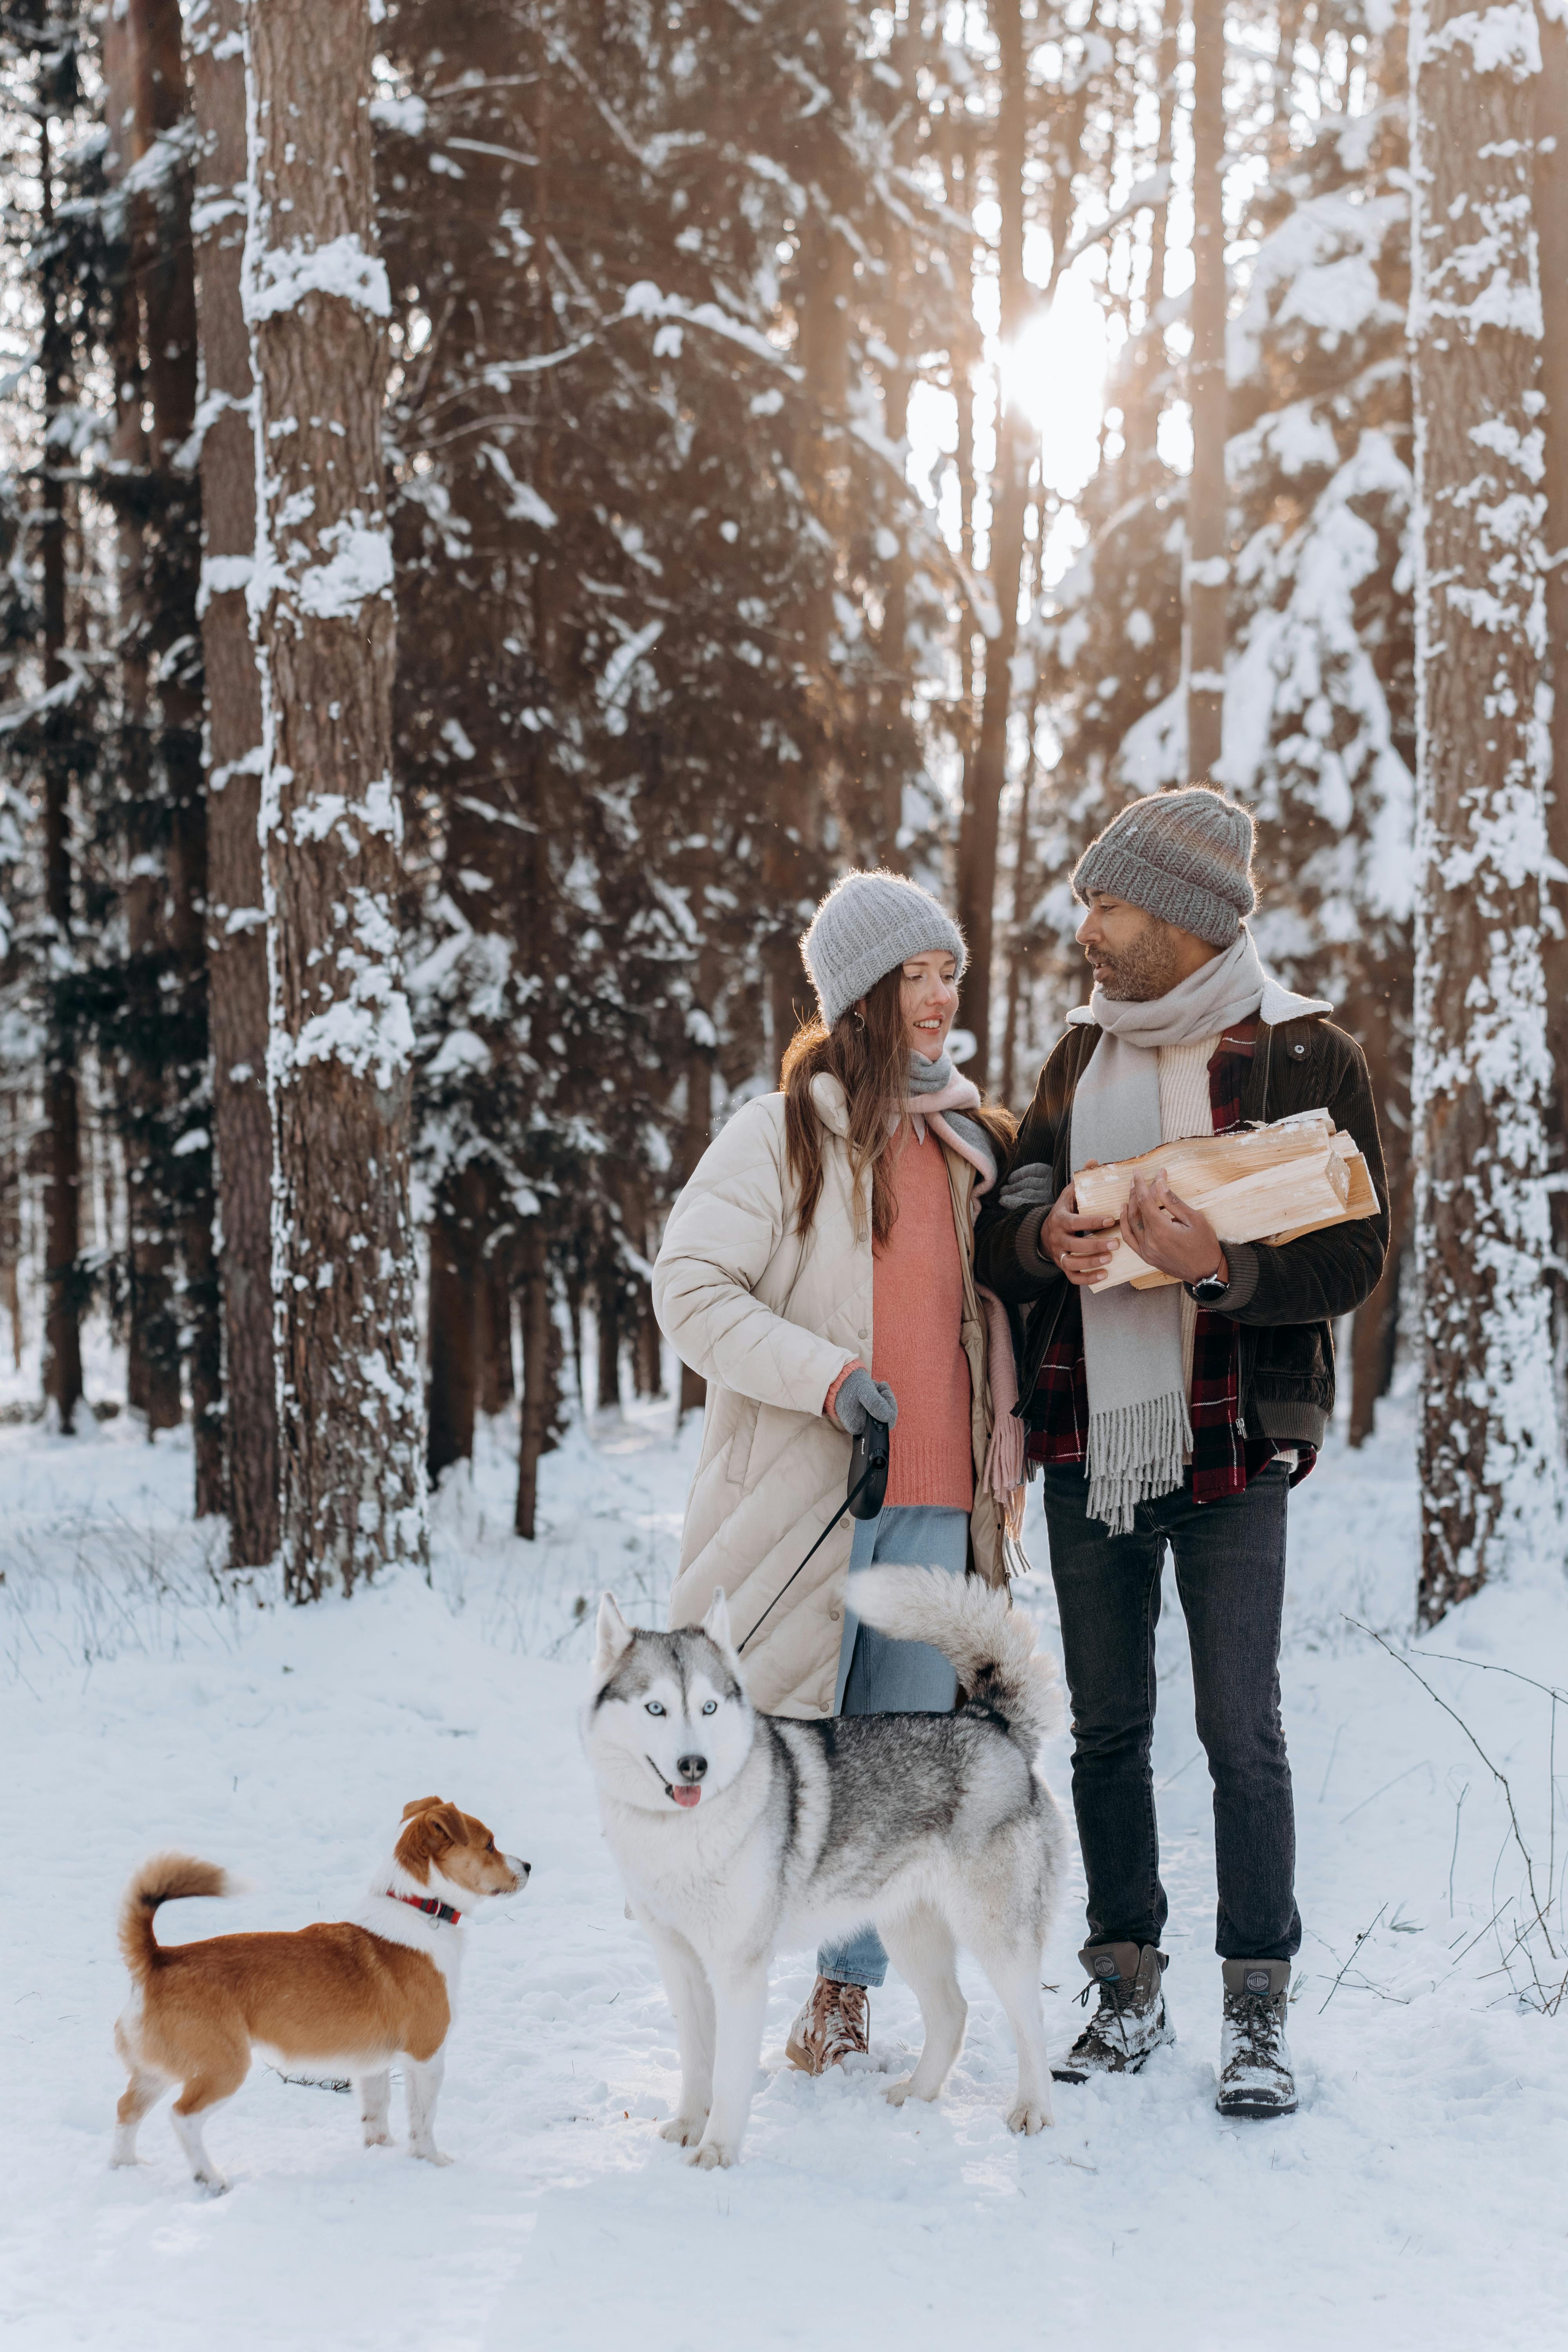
(1252, 1185)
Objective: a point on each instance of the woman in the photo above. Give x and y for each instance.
(817, 1270)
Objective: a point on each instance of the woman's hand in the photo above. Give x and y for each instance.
(1079, 1246)
(1030, 1185)
(861, 1399)
(1169, 1235)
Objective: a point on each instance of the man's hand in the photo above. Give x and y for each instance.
(1169, 1235)
(1079, 1246)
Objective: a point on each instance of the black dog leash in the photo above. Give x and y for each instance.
(871, 1447)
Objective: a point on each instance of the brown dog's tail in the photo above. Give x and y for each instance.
(163, 1879)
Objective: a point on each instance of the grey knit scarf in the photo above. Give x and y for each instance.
(1139, 1426)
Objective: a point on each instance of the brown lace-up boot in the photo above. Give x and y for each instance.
(834, 2025)
(1131, 2022)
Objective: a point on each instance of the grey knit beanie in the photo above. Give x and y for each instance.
(865, 927)
(1186, 857)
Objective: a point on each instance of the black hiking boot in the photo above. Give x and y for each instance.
(1255, 2077)
(1132, 2021)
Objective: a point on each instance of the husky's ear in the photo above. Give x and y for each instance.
(611, 1639)
(716, 1624)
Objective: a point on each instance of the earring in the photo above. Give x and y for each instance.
(860, 1021)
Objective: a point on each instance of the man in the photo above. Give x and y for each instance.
(1179, 1415)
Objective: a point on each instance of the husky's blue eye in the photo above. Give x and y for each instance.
(711, 1707)
(654, 1708)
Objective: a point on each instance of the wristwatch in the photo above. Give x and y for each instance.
(1211, 1289)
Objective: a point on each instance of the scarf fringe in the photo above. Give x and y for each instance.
(1135, 1454)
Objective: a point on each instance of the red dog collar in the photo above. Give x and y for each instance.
(428, 1904)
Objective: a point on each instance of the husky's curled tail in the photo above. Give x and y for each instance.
(990, 1642)
(165, 1878)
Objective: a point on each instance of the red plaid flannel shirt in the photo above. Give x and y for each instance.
(1222, 1459)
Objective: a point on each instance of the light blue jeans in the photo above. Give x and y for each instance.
(878, 1676)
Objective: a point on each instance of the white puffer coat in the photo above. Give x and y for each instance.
(770, 1322)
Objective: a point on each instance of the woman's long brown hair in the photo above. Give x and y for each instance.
(871, 1060)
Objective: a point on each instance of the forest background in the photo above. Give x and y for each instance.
(781, 436)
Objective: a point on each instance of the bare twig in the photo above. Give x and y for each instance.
(1454, 1858)
(1497, 1774)
(1355, 1948)
(1383, 1791)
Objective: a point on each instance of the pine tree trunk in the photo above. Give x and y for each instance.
(455, 1272)
(11, 1225)
(538, 1379)
(1009, 502)
(151, 1366)
(340, 1040)
(573, 1288)
(1551, 229)
(1488, 1442)
(1141, 407)
(1018, 950)
(1375, 1330)
(648, 1364)
(169, 297)
(236, 938)
(62, 1152)
(1370, 1014)
(492, 1333)
(1208, 567)
(698, 1130)
(607, 1304)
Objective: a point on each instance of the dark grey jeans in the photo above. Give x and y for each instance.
(1230, 1574)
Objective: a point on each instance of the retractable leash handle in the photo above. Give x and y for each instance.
(867, 1471)
(868, 1457)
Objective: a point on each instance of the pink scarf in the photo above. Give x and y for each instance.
(1004, 1458)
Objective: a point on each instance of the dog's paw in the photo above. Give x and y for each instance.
(377, 2138)
(430, 2156)
(1029, 2116)
(210, 2184)
(897, 2093)
(711, 2154)
(684, 2130)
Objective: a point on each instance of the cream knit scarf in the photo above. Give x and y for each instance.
(1139, 1426)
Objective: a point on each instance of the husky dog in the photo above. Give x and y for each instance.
(737, 1832)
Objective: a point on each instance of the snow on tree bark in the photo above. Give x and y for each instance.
(1488, 1442)
(340, 1040)
(1551, 223)
(1208, 565)
(235, 943)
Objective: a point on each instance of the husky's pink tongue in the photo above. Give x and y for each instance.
(685, 1796)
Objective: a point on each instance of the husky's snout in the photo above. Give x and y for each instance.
(691, 1767)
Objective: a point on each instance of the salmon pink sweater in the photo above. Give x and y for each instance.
(917, 1316)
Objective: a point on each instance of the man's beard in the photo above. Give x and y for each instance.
(1145, 969)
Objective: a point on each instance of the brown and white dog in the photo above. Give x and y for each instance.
(346, 1997)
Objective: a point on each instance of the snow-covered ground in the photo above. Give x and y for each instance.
(1416, 2200)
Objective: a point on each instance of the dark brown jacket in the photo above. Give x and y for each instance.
(1283, 1300)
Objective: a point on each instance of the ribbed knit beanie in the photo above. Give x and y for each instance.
(1186, 857)
(865, 926)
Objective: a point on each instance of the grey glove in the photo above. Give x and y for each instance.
(862, 1398)
(1029, 1186)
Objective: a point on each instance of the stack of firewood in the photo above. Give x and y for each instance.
(1268, 1183)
